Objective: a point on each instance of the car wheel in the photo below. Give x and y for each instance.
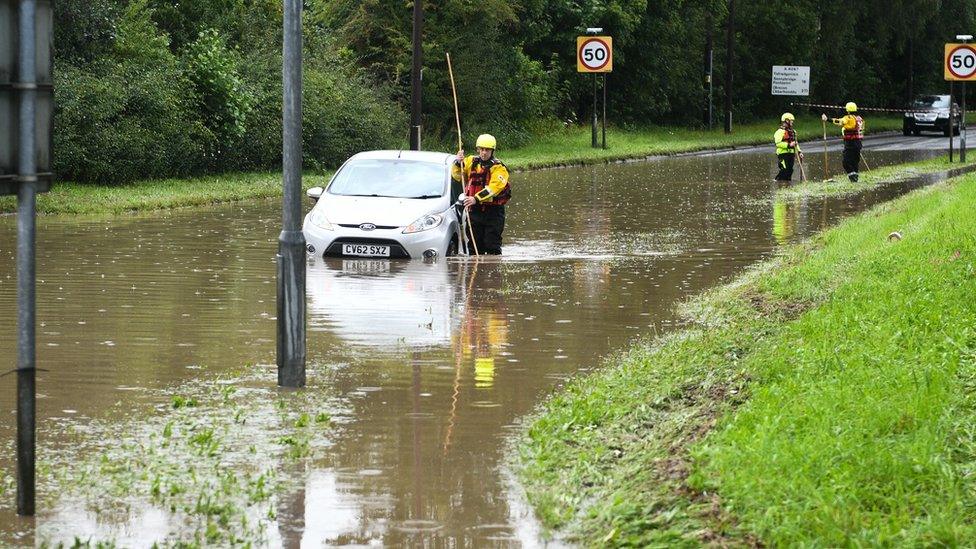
(452, 248)
(906, 129)
(916, 132)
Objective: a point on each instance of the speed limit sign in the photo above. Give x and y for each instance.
(960, 62)
(594, 54)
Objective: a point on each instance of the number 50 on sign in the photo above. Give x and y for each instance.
(594, 54)
(960, 62)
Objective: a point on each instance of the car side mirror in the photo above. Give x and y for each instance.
(315, 193)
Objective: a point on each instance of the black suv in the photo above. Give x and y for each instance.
(930, 113)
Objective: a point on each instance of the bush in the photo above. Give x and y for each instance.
(128, 116)
(224, 103)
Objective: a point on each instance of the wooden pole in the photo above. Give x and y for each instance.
(457, 120)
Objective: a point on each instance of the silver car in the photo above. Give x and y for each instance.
(386, 204)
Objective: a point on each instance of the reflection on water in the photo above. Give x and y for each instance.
(433, 363)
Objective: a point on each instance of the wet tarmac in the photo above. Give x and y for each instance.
(432, 366)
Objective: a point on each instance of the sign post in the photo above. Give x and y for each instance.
(790, 80)
(594, 54)
(960, 65)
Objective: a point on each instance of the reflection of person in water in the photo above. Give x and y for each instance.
(784, 221)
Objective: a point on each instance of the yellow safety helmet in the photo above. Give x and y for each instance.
(851, 106)
(485, 141)
(787, 116)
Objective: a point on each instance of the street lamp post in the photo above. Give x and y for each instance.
(962, 138)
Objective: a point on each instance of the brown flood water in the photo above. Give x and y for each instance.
(434, 364)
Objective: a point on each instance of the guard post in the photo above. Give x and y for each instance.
(26, 106)
(594, 54)
(959, 65)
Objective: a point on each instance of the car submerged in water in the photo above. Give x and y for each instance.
(386, 204)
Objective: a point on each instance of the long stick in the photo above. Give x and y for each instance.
(866, 165)
(803, 175)
(457, 120)
(826, 164)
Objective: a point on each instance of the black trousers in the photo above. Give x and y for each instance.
(852, 157)
(487, 224)
(785, 166)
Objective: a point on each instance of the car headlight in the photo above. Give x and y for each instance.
(319, 220)
(944, 114)
(425, 223)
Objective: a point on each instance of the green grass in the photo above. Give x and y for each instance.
(841, 185)
(158, 194)
(571, 146)
(559, 147)
(826, 398)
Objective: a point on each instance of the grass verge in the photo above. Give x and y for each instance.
(825, 398)
(841, 185)
(565, 146)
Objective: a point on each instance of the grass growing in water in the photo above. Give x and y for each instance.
(841, 185)
(825, 398)
(211, 460)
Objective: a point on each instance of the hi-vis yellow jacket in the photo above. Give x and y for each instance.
(852, 126)
(487, 181)
(783, 138)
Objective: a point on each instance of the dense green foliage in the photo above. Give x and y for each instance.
(824, 399)
(150, 88)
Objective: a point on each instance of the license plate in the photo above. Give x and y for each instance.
(366, 250)
(365, 266)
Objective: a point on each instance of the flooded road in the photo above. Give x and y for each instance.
(433, 365)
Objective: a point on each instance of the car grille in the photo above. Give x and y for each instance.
(356, 225)
(396, 250)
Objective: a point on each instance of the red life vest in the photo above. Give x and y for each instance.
(857, 133)
(478, 180)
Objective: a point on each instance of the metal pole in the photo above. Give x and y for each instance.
(709, 57)
(962, 138)
(952, 117)
(291, 242)
(416, 75)
(729, 39)
(26, 231)
(593, 124)
(604, 110)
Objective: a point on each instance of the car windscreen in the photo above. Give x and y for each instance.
(390, 178)
(931, 102)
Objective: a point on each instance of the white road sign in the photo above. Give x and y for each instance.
(791, 80)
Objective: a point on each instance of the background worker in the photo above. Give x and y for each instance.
(486, 194)
(787, 149)
(852, 127)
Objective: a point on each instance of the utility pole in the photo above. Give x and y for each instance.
(291, 241)
(729, 43)
(709, 57)
(416, 74)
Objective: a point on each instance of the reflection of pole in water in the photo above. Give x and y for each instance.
(291, 509)
(459, 354)
(417, 468)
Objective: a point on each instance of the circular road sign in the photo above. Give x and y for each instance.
(594, 53)
(961, 61)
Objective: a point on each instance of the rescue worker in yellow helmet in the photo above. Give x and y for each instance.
(787, 149)
(486, 193)
(852, 127)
